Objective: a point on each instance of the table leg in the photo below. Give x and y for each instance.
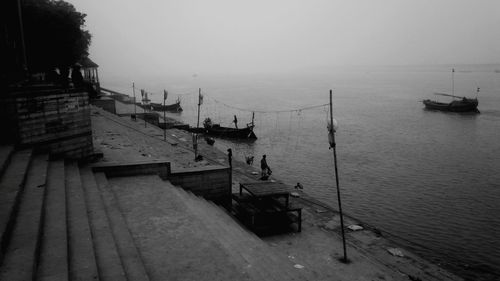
(300, 220)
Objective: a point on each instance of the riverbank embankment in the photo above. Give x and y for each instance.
(318, 247)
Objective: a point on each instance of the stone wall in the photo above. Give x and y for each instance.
(57, 120)
(211, 182)
(151, 117)
(111, 169)
(105, 103)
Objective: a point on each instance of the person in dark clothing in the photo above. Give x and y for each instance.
(266, 171)
(235, 122)
(76, 76)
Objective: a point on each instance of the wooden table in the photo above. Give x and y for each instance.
(262, 200)
(267, 189)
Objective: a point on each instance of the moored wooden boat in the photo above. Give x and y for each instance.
(225, 132)
(462, 105)
(176, 107)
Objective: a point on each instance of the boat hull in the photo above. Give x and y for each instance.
(176, 107)
(224, 132)
(466, 105)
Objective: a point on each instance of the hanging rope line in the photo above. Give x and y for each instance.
(245, 109)
(268, 111)
(170, 93)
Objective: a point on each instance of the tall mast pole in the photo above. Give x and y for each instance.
(164, 118)
(144, 99)
(337, 178)
(199, 103)
(453, 81)
(195, 135)
(135, 101)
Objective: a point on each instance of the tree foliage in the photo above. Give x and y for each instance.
(54, 34)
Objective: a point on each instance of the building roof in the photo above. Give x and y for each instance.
(88, 63)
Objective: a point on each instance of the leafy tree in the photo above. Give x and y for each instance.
(54, 34)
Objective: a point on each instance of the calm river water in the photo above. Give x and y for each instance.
(429, 178)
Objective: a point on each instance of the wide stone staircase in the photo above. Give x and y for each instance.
(61, 221)
(54, 224)
(244, 247)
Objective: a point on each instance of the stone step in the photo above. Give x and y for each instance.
(287, 266)
(21, 255)
(247, 245)
(82, 261)
(228, 218)
(173, 242)
(233, 220)
(53, 260)
(241, 252)
(283, 264)
(129, 255)
(215, 217)
(109, 264)
(6, 152)
(236, 226)
(239, 260)
(271, 269)
(11, 185)
(275, 266)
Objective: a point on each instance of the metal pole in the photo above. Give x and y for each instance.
(135, 102)
(453, 81)
(197, 124)
(337, 179)
(164, 119)
(230, 159)
(144, 106)
(199, 99)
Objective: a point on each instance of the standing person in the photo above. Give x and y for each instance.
(265, 168)
(235, 122)
(76, 76)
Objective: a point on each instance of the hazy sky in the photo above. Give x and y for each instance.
(233, 36)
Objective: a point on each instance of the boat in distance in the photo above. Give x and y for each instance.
(176, 107)
(462, 104)
(459, 104)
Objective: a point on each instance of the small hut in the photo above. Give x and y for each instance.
(90, 73)
(89, 69)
